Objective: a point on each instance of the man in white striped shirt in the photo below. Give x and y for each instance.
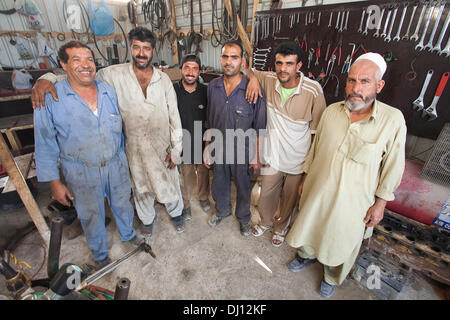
(295, 104)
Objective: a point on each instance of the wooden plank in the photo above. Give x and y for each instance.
(20, 122)
(241, 31)
(15, 98)
(23, 163)
(13, 140)
(252, 36)
(173, 25)
(22, 188)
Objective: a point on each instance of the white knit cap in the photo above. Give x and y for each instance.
(375, 58)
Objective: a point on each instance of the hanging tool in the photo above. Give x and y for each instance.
(318, 20)
(429, 45)
(418, 103)
(406, 36)
(377, 32)
(339, 46)
(367, 22)
(446, 50)
(331, 18)
(353, 51)
(430, 112)
(310, 57)
(362, 20)
(346, 20)
(415, 35)
(386, 23)
(328, 51)
(304, 44)
(330, 64)
(397, 36)
(319, 44)
(113, 265)
(411, 75)
(360, 46)
(437, 47)
(427, 23)
(388, 37)
(337, 21)
(346, 65)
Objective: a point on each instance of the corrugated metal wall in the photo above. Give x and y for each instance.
(52, 15)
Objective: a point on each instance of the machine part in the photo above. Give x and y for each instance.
(113, 265)
(362, 20)
(427, 23)
(331, 18)
(388, 37)
(367, 23)
(54, 246)
(415, 35)
(429, 45)
(377, 32)
(418, 103)
(64, 282)
(406, 36)
(386, 23)
(397, 36)
(122, 289)
(430, 112)
(393, 276)
(422, 248)
(16, 282)
(437, 47)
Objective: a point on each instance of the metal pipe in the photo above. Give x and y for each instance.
(122, 289)
(54, 247)
(7, 270)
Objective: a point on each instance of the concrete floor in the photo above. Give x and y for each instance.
(202, 263)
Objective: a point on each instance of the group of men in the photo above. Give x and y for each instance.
(344, 160)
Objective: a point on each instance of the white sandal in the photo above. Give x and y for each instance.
(260, 229)
(279, 236)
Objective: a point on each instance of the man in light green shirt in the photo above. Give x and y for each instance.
(353, 168)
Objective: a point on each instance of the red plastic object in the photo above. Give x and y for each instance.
(2, 170)
(417, 198)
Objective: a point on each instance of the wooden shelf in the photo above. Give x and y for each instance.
(15, 98)
(20, 122)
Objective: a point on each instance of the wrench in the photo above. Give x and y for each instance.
(406, 36)
(415, 36)
(437, 47)
(318, 20)
(397, 37)
(377, 33)
(446, 50)
(331, 18)
(362, 20)
(346, 20)
(418, 103)
(429, 45)
(337, 21)
(330, 62)
(367, 23)
(388, 37)
(386, 23)
(430, 112)
(427, 23)
(265, 49)
(342, 22)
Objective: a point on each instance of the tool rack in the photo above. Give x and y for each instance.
(402, 84)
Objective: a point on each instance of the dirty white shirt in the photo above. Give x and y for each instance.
(152, 129)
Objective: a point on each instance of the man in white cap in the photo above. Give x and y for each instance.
(353, 168)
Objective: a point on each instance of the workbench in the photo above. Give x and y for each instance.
(18, 167)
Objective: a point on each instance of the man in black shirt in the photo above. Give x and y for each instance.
(192, 103)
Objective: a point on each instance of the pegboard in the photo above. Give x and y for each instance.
(314, 23)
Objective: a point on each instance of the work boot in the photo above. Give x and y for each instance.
(245, 228)
(102, 263)
(187, 215)
(326, 289)
(206, 205)
(298, 264)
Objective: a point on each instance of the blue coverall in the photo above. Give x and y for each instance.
(92, 157)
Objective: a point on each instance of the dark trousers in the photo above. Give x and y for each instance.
(221, 190)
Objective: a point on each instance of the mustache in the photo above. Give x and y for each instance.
(355, 95)
(85, 69)
(142, 57)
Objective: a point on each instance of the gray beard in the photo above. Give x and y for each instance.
(356, 107)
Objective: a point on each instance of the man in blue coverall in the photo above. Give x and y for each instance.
(235, 125)
(84, 131)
